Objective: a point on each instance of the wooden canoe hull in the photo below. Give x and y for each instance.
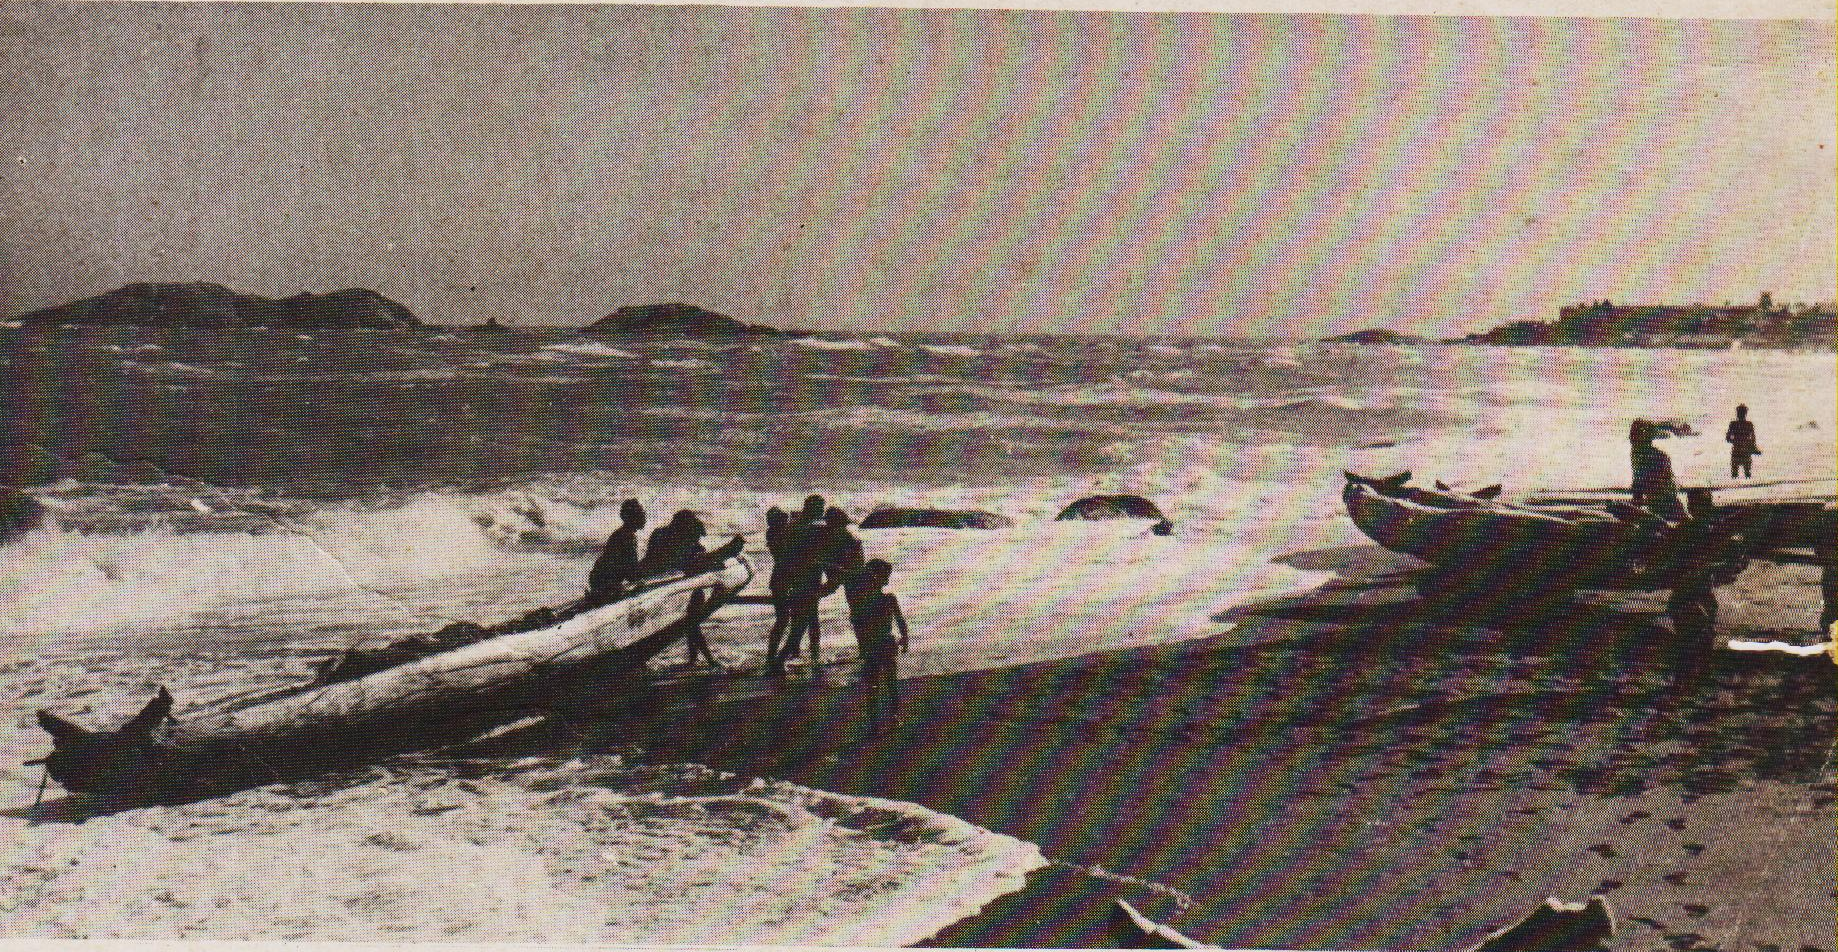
(431, 702)
(1509, 543)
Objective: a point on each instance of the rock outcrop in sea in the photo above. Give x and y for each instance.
(213, 305)
(674, 320)
(1375, 336)
(896, 517)
(1123, 506)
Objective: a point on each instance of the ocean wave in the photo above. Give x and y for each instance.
(899, 379)
(887, 342)
(951, 350)
(590, 349)
(692, 364)
(821, 343)
(172, 367)
(601, 851)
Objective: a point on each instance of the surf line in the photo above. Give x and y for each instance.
(1181, 899)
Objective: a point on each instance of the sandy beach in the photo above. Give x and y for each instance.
(1352, 768)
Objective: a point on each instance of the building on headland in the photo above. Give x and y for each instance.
(1606, 324)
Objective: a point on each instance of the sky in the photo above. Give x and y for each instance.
(923, 170)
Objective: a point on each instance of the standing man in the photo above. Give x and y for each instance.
(802, 580)
(1743, 448)
(617, 568)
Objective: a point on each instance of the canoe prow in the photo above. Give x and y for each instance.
(425, 703)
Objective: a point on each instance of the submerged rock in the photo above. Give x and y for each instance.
(1121, 506)
(213, 305)
(895, 517)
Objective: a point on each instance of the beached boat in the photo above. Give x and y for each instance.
(1554, 548)
(425, 703)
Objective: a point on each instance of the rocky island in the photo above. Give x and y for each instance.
(674, 320)
(213, 305)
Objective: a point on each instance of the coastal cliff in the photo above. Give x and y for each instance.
(213, 305)
(1605, 324)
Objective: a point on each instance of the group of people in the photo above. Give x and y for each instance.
(1654, 485)
(813, 556)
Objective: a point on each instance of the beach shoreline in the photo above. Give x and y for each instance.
(1354, 767)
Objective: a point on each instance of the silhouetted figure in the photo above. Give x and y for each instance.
(1699, 563)
(676, 546)
(1743, 448)
(1653, 485)
(692, 630)
(616, 569)
(803, 579)
(1827, 550)
(778, 528)
(839, 552)
(874, 613)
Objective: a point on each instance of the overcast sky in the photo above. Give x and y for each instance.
(937, 170)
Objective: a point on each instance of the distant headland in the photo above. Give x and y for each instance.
(213, 305)
(674, 320)
(1606, 324)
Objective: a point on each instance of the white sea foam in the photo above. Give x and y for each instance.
(590, 349)
(693, 364)
(578, 851)
(951, 350)
(820, 343)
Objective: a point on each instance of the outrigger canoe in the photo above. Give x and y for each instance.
(1556, 548)
(425, 703)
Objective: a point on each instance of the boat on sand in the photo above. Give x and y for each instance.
(1556, 548)
(425, 703)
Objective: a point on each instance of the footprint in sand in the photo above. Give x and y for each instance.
(1653, 924)
(1603, 850)
(1677, 823)
(1676, 879)
(1696, 911)
(1609, 885)
(1694, 848)
(1636, 816)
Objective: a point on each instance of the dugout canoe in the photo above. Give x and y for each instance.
(423, 704)
(1484, 539)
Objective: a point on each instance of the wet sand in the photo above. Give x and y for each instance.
(1357, 767)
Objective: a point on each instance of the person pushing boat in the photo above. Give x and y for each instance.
(617, 568)
(801, 584)
(1654, 486)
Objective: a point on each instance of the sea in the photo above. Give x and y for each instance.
(224, 509)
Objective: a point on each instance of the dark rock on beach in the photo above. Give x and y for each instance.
(674, 320)
(213, 305)
(1123, 506)
(899, 518)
